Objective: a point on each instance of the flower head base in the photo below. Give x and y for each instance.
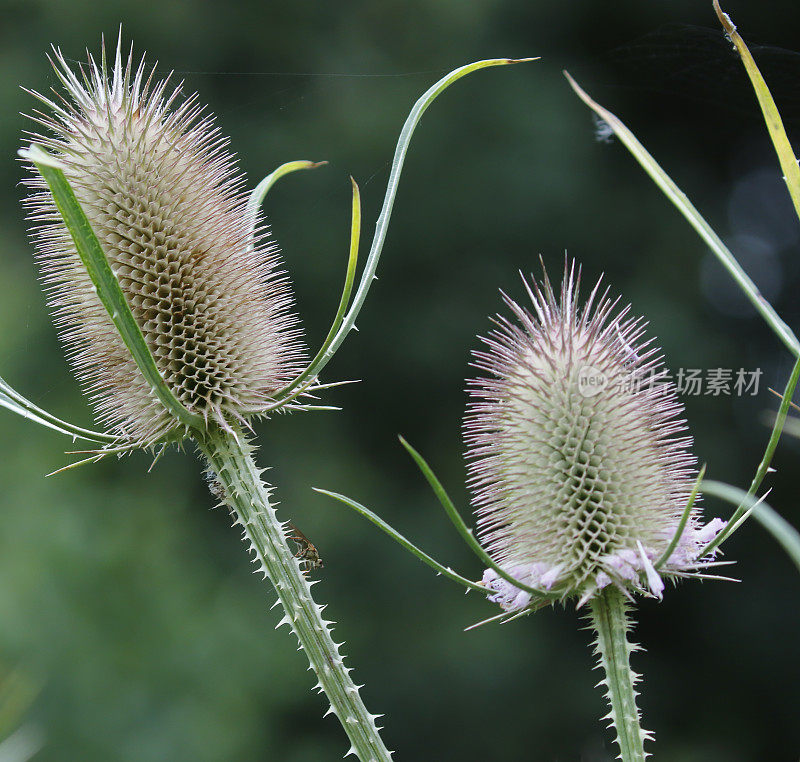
(579, 466)
(165, 200)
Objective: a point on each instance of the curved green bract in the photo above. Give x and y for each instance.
(260, 191)
(344, 301)
(381, 226)
(665, 556)
(401, 540)
(786, 535)
(462, 527)
(105, 281)
(12, 400)
(695, 219)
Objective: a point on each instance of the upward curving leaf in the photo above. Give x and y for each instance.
(260, 191)
(466, 533)
(382, 225)
(763, 467)
(344, 301)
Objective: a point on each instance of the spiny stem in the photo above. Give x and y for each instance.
(609, 619)
(248, 499)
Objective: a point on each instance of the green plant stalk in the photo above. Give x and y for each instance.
(763, 467)
(609, 619)
(248, 499)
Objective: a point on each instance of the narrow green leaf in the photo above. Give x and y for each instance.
(260, 191)
(772, 117)
(682, 523)
(344, 301)
(462, 527)
(105, 281)
(695, 219)
(786, 535)
(763, 467)
(401, 540)
(12, 400)
(382, 225)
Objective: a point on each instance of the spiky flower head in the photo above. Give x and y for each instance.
(579, 463)
(165, 199)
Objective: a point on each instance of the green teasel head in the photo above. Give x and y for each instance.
(195, 262)
(580, 465)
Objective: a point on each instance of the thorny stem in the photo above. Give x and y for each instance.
(248, 499)
(609, 619)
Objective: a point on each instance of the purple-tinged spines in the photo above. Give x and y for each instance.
(580, 465)
(166, 201)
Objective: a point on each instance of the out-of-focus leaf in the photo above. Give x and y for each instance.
(772, 117)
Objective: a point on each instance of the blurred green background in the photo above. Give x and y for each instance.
(130, 601)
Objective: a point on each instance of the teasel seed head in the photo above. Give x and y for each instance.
(198, 270)
(579, 462)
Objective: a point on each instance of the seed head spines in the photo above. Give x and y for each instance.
(579, 460)
(201, 276)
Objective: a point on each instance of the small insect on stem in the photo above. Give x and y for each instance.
(307, 553)
(214, 484)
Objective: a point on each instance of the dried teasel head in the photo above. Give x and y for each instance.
(165, 199)
(580, 466)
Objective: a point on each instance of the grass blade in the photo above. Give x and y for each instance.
(772, 117)
(695, 219)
